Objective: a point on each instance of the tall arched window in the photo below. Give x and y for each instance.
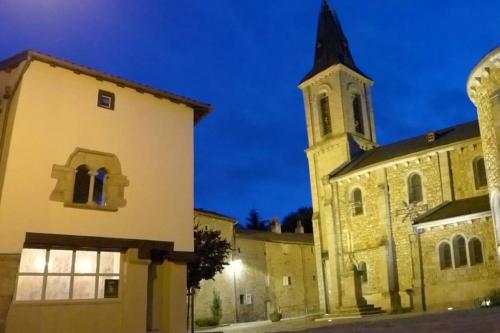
(99, 196)
(479, 173)
(475, 251)
(82, 184)
(362, 270)
(459, 251)
(357, 202)
(445, 256)
(415, 188)
(357, 110)
(324, 112)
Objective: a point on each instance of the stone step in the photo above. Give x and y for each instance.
(352, 312)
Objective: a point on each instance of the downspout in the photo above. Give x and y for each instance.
(234, 275)
(339, 248)
(421, 266)
(391, 267)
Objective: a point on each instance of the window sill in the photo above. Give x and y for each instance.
(90, 206)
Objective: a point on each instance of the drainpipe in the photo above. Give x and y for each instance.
(391, 256)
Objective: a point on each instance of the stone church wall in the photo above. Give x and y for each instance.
(365, 237)
(461, 163)
(473, 282)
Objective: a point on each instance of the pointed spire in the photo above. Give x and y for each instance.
(331, 44)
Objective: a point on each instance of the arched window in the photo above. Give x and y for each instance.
(475, 251)
(459, 251)
(415, 188)
(362, 270)
(357, 110)
(479, 173)
(357, 202)
(99, 182)
(82, 184)
(90, 179)
(324, 110)
(445, 256)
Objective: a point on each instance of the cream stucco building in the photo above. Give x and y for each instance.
(403, 225)
(268, 272)
(96, 207)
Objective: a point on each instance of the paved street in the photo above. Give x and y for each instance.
(477, 321)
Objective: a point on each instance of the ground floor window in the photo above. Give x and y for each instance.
(67, 274)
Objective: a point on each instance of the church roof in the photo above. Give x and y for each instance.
(456, 208)
(268, 236)
(332, 47)
(201, 109)
(419, 143)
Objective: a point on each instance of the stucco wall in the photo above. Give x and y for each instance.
(153, 139)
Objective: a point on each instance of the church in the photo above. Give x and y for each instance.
(403, 226)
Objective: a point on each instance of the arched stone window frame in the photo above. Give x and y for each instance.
(453, 250)
(471, 261)
(323, 91)
(352, 203)
(467, 250)
(354, 90)
(475, 175)
(94, 160)
(438, 250)
(363, 270)
(422, 182)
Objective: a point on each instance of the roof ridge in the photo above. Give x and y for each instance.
(201, 109)
(423, 134)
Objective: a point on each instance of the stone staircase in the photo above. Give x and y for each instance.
(348, 312)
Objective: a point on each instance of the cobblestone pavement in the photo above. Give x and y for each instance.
(476, 321)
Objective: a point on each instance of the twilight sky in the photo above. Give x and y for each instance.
(247, 57)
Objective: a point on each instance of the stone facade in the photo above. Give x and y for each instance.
(377, 222)
(484, 90)
(268, 272)
(9, 265)
(223, 283)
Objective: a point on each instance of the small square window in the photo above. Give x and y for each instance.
(106, 100)
(287, 280)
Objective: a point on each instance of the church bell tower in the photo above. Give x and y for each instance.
(340, 124)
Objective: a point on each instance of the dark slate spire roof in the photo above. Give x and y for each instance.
(331, 44)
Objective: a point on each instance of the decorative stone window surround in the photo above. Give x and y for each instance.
(423, 189)
(467, 254)
(350, 197)
(323, 91)
(482, 189)
(94, 160)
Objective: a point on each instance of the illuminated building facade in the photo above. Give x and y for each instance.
(269, 271)
(404, 225)
(96, 207)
